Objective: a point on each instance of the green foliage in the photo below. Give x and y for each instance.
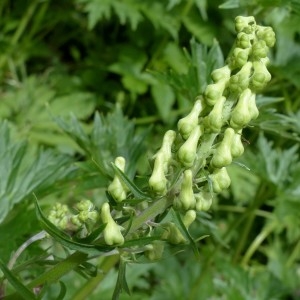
(83, 82)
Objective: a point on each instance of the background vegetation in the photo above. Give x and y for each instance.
(93, 79)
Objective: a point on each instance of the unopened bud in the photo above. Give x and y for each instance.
(242, 23)
(260, 76)
(214, 121)
(221, 74)
(188, 123)
(220, 180)
(239, 57)
(189, 217)
(222, 156)
(267, 34)
(172, 234)
(112, 231)
(188, 151)
(117, 189)
(244, 40)
(158, 181)
(259, 49)
(166, 149)
(214, 91)
(240, 81)
(240, 115)
(237, 148)
(155, 250)
(203, 201)
(186, 199)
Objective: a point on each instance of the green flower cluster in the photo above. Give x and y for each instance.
(81, 221)
(190, 168)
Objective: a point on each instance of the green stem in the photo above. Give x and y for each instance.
(151, 212)
(239, 209)
(107, 264)
(250, 214)
(294, 256)
(257, 242)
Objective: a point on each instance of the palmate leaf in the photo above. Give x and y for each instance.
(23, 171)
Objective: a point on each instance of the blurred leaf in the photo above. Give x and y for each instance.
(164, 99)
(121, 284)
(23, 174)
(21, 289)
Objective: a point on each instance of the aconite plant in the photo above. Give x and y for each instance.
(190, 168)
(188, 171)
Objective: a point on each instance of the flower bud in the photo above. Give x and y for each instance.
(214, 91)
(267, 34)
(158, 181)
(188, 151)
(240, 115)
(112, 231)
(166, 148)
(189, 217)
(203, 201)
(237, 148)
(220, 180)
(259, 49)
(186, 199)
(116, 188)
(252, 108)
(222, 156)
(260, 76)
(214, 121)
(241, 23)
(85, 205)
(188, 123)
(221, 74)
(155, 250)
(59, 216)
(244, 40)
(239, 57)
(240, 81)
(172, 234)
(85, 216)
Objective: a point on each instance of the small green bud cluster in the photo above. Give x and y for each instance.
(80, 223)
(86, 214)
(59, 216)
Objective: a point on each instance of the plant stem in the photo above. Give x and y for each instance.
(151, 212)
(257, 242)
(107, 264)
(250, 214)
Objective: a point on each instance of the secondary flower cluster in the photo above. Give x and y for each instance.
(190, 168)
